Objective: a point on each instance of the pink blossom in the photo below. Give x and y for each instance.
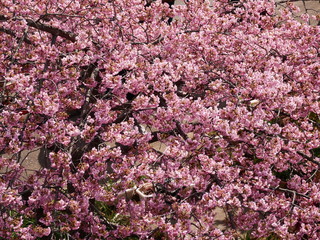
(147, 118)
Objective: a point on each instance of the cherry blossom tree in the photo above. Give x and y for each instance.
(228, 89)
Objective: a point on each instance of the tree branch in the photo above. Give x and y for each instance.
(292, 191)
(46, 28)
(11, 33)
(53, 30)
(311, 159)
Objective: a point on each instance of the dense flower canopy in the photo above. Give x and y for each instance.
(230, 92)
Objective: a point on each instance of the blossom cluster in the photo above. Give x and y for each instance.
(151, 116)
